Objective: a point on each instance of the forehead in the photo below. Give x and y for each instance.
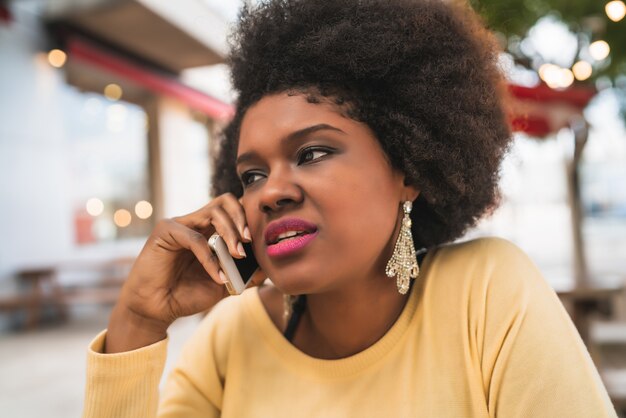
(278, 115)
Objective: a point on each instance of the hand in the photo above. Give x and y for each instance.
(176, 274)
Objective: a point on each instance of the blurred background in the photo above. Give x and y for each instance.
(109, 111)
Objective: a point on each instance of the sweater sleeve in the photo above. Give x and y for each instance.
(195, 386)
(123, 385)
(126, 385)
(534, 362)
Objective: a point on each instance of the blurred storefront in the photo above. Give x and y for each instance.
(110, 110)
(100, 131)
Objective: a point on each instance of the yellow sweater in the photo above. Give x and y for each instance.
(482, 335)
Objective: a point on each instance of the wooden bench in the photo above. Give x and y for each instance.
(608, 343)
(589, 302)
(39, 289)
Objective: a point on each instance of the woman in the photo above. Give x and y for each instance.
(365, 129)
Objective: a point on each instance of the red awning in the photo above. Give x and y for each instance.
(538, 111)
(541, 111)
(5, 14)
(575, 96)
(87, 52)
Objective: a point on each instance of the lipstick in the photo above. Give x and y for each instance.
(287, 236)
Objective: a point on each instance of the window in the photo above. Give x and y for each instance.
(109, 166)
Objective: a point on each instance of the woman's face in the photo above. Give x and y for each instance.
(321, 200)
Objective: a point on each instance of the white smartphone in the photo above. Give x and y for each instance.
(237, 271)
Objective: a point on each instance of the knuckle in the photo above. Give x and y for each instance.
(195, 236)
(210, 205)
(233, 236)
(175, 219)
(168, 222)
(163, 225)
(206, 262)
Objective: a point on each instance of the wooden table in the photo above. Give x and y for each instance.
(39, 288)
(587, 302)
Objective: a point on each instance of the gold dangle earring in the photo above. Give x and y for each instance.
(403, 262)
(288, 301)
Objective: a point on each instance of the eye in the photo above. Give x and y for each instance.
(250, 177)
(310, 154)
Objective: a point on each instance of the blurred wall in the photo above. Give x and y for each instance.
(36, 196)
(185, 169)
(35, 219)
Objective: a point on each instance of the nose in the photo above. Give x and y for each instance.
(279, 192)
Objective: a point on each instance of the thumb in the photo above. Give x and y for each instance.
(257, 279)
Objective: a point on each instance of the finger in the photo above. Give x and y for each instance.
(196, 243)
(198, 220)
(225, 226)
(199, 293)
(201, 219)
(237, 214)
(257, 278)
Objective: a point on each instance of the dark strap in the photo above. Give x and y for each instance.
(420, 257)
(294, 319)
(300, 305)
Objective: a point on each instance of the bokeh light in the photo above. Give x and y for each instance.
(143, 209)
(615, 10)
(94, 206)
(582, 70)
(599, 50)
(113, 92)
(122, 218)
(57, 58)
(556, 77)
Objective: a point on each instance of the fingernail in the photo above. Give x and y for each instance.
(242, 252)
(246, 233)
(222, 277)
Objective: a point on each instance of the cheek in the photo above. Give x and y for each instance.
(253, 220)
(363, 209)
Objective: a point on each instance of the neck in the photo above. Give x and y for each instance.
(345, 322)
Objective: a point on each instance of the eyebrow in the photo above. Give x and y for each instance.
(291, 137)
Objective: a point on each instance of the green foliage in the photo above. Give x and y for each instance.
(585, 18)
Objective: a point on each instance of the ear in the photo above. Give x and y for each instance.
(407, 191)
(410, 192)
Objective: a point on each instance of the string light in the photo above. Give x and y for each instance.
(615, 10)
(122, 218)
(599, 50)
(582, 70)
(143, 209)
(57, 58)
(94, 206)
(113, 92)
(556, 77)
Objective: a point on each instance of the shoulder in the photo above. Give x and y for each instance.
(487, 286)
(487, 268)
(223, 322)
(489, 249)
(485, 257)
(231, 311)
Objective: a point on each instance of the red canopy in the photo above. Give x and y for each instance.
(540, 111)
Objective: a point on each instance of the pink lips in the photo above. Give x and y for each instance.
(306, 233)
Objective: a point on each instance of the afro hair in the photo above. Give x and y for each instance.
(422, 74)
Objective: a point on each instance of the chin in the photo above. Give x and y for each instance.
(295, 285)
(296, 281)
